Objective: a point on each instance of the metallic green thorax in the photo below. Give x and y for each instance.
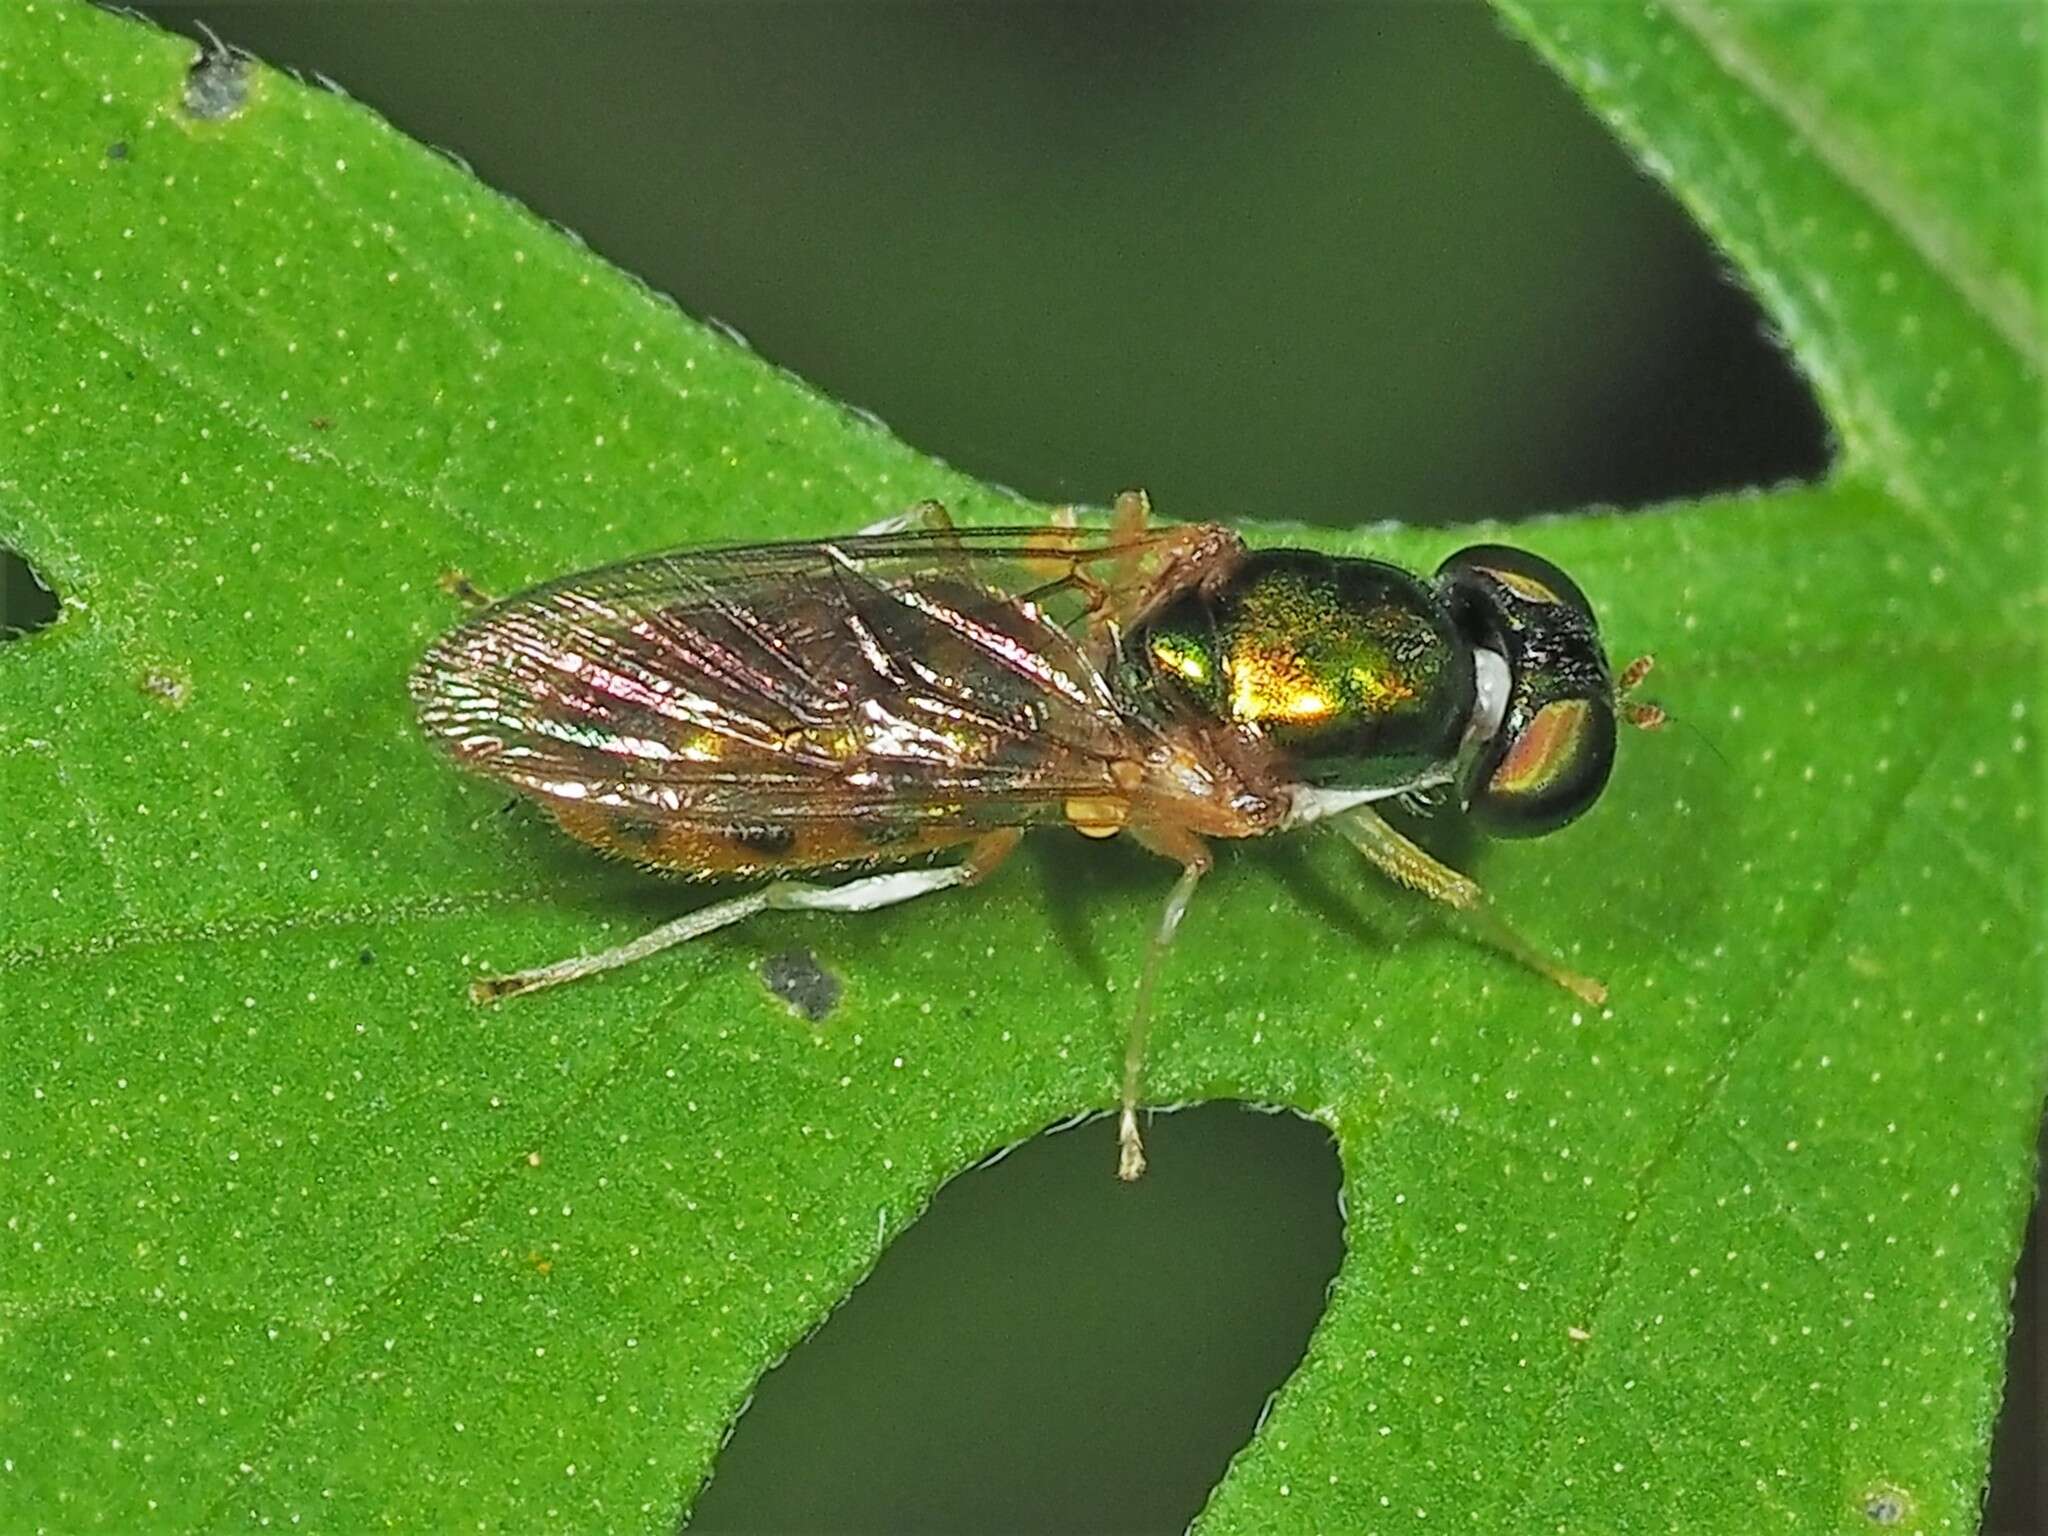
(1352, 667)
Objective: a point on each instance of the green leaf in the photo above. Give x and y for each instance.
(293, 1232)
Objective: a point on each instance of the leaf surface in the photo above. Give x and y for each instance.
(293, 1232)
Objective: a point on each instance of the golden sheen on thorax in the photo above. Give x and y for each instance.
(1339, 663)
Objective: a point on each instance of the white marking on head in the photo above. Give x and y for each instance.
(1492, 684)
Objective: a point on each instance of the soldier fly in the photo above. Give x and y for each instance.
(866, 703)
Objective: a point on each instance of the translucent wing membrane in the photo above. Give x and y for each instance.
(932, 679)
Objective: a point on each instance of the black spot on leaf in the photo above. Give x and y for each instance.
(795, 976)
(1886, 1506)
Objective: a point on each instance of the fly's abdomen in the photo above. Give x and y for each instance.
(742, 847)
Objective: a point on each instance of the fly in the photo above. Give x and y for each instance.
(867, 703)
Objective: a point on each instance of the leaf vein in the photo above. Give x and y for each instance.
(223, 398)
(312, 1379)
(1546, 1446)
(1996, 296)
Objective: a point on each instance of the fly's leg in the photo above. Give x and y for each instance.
(987, 851)
(1403, 862)
(1060, 568)
(1195, 862)
(863, 895)
(1127, 522)
(1144, 568)
(1110, 602)
(1151, 566)
(931, 516)
(463, 590)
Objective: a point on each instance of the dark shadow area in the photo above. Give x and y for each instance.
(1089, 888)
(26, 604)
(1340, 263)
(2017, 1504)
(1052, 1328)
(1342, 915)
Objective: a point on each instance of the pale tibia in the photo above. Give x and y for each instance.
(864, 895)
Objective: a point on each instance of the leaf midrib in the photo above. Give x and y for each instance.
(1997, 298)
(1858, 859)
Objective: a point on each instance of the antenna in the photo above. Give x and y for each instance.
(1640, 713)
(1646, 716)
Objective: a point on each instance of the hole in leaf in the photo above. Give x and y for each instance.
(26, 603)
(2017, 1500)
(1347, 264)
(1048, 1349)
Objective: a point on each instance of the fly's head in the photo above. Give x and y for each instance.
(1540, 743)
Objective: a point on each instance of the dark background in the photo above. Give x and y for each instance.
(1337, 263)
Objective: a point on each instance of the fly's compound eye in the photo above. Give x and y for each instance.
(1538, 757)
(1528, 579)
(1552, 770)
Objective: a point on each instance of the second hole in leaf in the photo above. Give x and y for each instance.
(1095, 1351)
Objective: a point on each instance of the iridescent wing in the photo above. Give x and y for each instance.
(928, 682)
